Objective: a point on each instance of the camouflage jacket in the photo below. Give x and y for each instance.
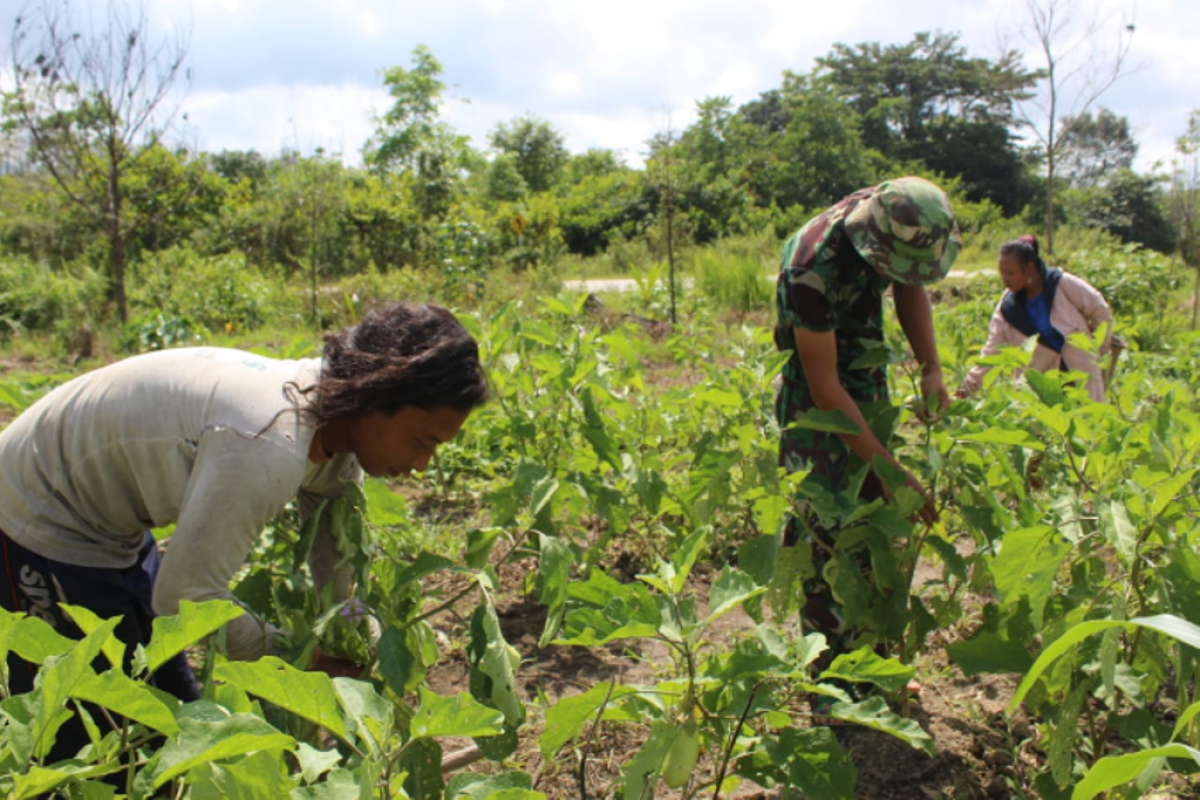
(825, 285)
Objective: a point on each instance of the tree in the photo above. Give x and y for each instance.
(504, 180)
(538, 147)
(1183, 201)
(593, 163)
(411, 136)
(93, 103)
(1082, 58)
(1127, 205)
(1094, 148)
(929, 101)
(814, 159)
(239, 165)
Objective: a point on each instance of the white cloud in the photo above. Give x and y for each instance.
(272, 73)
(276, 118)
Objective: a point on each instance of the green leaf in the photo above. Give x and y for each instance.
(1169, 490)
(685, 557)
(399, 660)
(810, 761)
(759, 557)
(731, 588)
(566, 718)
(1061, 741)
(255, 777)
(554, 576)
(722, 398)
(874, 713)
(60, 676)
(864, 665)
(1185, 719)
(1166, 624)
(308, 695)
(208, 733)
(1120, 532)
(1028, 561)
(1048, 389)
(422, 760)
(473, 786)
(1007, 436)
(114, 691)
(38, 781)
(480, 542)
(492, 679)
(458, 715)
(594, 431)
(367, 712)
(113, 648)
(385, 508)
(32, 638)
(1116, 770)
(314, 763)
(641, 772)
(828, 421)
(172, 635)
(341, 784)
(989, 652)
(428, 564)
(948, 553)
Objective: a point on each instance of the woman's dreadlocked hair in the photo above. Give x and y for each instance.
(405, 354)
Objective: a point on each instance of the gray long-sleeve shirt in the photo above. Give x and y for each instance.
(190, 436)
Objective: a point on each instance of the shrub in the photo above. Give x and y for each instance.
(735, 273)
(34, 297)
(216, 292)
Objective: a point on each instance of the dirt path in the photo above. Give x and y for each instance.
(621, 285)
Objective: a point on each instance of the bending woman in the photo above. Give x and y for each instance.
(219, 442)
(1050, 304)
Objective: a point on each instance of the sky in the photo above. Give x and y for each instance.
(302, 74)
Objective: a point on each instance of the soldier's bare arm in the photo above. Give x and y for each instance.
(818, 356)
(916, 319)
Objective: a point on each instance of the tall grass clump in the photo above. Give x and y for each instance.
(736, 274)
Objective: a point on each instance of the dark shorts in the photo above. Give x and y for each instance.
(36, 585)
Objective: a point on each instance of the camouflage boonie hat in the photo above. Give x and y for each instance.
(906, 230)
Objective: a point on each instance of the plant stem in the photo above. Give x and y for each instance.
(582, 774)
(733, 737)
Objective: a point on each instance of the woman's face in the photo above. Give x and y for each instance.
(1014, 274)
(393, 445)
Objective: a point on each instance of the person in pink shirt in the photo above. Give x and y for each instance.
(1052, 305)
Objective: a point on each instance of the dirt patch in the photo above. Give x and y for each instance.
(980, 752)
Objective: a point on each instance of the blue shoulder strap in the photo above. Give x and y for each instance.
(1012, 307)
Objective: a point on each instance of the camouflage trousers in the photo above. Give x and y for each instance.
(831, 465)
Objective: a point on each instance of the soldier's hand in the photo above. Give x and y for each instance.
(927, 513)
(932, 385)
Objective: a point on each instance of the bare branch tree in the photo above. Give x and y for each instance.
(1082, 56)
(93, 97)
(1183, 202)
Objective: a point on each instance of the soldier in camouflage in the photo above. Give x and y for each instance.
(829, 301)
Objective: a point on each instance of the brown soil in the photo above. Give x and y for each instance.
(980, 752)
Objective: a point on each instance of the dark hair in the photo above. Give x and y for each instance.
(405, 354)
(1025, 248)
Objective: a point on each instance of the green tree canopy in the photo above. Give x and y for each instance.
(538, 148)
(1094, 147)
(929, 101)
